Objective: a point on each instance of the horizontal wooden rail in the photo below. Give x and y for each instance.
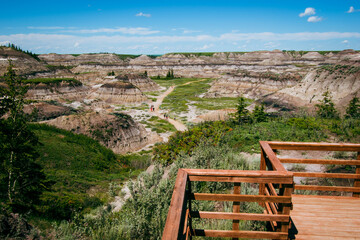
(240, 234)
(176, 215)
(320, 161)
(235, 173)
(315, 146)
(327, 188)
(326, 175)
(240, 216)
(276, 164)
(239, 198)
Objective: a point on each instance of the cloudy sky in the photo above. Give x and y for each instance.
(157, 27)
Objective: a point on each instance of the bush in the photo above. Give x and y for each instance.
(326, 108)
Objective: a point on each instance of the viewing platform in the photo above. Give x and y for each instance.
(288, 215)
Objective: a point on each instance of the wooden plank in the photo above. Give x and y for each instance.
(236, 207)
(285, 180)
(326, 217)
(285, 210)
(235, 173)
(272, 189)
(176, 210)
(186, 221)
(240, 198)
(315, 146)
(262, 168)
(320, 161)
(240, 234)
(357, 182)
(272, 157)
(240, 216)
(327, 188)
(327, 175)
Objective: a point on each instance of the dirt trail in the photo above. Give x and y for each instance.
(178, 125)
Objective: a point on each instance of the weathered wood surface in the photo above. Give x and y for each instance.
(177, 210)
(240, 234)
(326, 217)
(315, 146)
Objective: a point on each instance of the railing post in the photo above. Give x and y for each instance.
(262, 168)
(236, 206)
(286, 190)
(357, 181)
(190, 220)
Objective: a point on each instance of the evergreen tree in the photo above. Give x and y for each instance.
(242, 114)
(21, 178)
(259, 114)
(326, 108)
(353, 109)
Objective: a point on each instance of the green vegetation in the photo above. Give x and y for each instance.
(159, 125)
(143, 216)
(58, 67)
(187, 91)
(71, 81)
(326, 108)
(21, 178)
(81, 170)
(17, 48)
(342, 69)
(353, 109)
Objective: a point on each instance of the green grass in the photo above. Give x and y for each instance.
(173, 82)
(159, 125)
(183, 95)
(71, 81)
(76, 164)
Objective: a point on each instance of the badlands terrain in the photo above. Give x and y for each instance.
(108, 96)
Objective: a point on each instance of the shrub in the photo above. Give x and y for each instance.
(326, 108)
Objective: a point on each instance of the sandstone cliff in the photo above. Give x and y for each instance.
(144, 83)
(118, 132)
(23, 63)
(119, 92)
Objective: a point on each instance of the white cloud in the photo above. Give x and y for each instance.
(206, 46)
(125, 30)
(314, 19)
(141, 14)
(65, 43)
(345, 41)
(308, 11)
(46, 28)
(352, 10)
(271, 45)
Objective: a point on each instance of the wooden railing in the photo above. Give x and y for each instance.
(271, 157)
(276, 186)
(181, 213)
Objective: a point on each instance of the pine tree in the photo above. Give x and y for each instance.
(259, 114)
(326, 108)
(21, 178)
(353, 109)
(242, 114)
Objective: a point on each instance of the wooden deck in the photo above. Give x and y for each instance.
(315, 217)
(326, 217)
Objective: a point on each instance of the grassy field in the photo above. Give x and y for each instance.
(159, 125)
(81, 170)
(183, 95)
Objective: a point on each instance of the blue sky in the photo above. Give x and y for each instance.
(157, 27)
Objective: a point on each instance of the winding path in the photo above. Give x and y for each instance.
(178, 125)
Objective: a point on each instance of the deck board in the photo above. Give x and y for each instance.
(323, 217)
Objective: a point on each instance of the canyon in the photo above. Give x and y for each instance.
(113, 93)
